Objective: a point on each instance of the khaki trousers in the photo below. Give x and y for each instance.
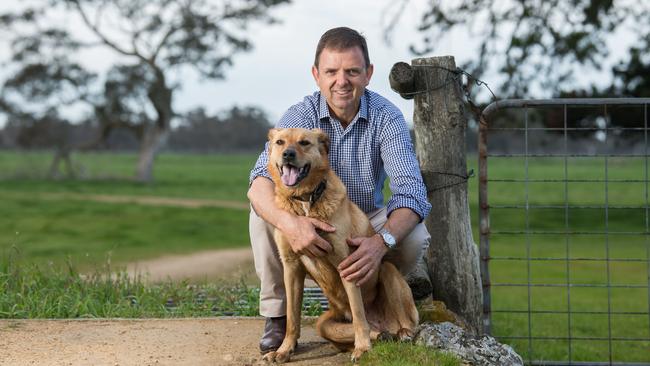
(269, 266)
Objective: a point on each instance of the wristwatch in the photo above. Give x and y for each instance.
(389, 239)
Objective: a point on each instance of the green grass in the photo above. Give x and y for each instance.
(615, 233)
(403, 354)
(223, 177)
(29, 291)
(86, 232)
(51, 230)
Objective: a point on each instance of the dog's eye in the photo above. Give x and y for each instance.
(279, 142)
(304, 142)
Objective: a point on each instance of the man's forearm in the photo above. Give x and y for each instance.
(261, 195)
(401, 222)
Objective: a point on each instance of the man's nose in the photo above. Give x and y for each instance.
(289, 154)
(341, 78)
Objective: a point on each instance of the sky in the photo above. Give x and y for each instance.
(276, 74)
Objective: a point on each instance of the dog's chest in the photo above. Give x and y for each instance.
(327, 277)
(307, 209)
(305, 206)
(321, 270)
(310, 264)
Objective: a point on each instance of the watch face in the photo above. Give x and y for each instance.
(389, 240)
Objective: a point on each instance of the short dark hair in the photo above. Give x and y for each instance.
(342, 38)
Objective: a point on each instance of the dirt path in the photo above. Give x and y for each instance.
(220, 341)
(142, 200)
(190, 341)
(203, 341)
(214, 264)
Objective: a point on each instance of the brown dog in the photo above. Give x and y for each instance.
(306, 186)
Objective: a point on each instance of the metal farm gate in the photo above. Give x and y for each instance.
(564, 229)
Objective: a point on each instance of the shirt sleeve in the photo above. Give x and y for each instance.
(292, 118)
(401, 166)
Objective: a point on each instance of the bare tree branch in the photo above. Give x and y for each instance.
(101, 36)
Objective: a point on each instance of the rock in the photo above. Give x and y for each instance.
(473, 350)
(436, 312)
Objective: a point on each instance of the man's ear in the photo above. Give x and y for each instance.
(369, 71)
(314, 73)
(323, 141)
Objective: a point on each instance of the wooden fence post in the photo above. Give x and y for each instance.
(440, 126)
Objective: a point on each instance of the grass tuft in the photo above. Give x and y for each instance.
(32, 291)
(407, 354)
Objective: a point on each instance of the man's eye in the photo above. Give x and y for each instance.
(354, 72)
(304, 142)
(279, 142)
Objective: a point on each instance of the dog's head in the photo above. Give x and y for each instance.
(297, 156)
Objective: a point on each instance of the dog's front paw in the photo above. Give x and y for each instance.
(276, 357)
(269, 357)
(356, 354)
(282, 357)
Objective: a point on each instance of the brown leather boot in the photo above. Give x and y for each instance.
(274, 331)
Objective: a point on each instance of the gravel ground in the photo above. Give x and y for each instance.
(203, 341)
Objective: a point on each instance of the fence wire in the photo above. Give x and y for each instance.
(576, 292)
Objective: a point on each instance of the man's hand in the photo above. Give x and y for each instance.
(303, 238)
(364, 262)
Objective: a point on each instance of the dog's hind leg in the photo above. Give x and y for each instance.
(398, 300)
(339, 331)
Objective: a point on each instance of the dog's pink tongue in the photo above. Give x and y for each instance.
(289, 175)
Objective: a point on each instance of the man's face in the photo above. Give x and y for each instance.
(342, 76)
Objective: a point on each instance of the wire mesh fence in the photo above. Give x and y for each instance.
(564, 235)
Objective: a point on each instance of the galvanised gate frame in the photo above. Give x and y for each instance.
(537, 329)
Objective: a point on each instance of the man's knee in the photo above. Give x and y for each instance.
(265, 252)
(410, 249)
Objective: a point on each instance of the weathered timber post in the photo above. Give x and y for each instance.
(440, 125)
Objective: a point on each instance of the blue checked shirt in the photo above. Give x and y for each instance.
(375, 145)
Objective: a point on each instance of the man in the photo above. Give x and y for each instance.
(369, 142)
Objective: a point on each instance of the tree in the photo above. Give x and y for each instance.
(237, 129)
(548, 49)
(539, 47)
(154, 40)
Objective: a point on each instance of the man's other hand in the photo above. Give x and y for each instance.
(364, 262)
(303, 238)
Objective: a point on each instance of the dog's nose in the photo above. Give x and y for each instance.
(289, 154)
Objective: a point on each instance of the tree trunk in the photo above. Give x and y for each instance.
(61, 154)
(440, 127)
(153, 139)
(155, 136)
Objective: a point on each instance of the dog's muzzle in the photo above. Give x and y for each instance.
(291, 175)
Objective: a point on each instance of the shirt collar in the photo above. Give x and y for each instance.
(324, 112)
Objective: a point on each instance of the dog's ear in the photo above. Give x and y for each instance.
(272, 133)
(323, 140)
